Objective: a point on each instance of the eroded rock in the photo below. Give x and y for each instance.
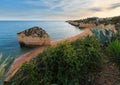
(33, 37)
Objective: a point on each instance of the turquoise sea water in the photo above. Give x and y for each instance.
(8, 39)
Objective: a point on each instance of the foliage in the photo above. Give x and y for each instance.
(27, 75)
(105, 35)
(90, 57)
(98, 21)
(58, 65)
(114, 52)
(4, 66)
(62, 64)
(118, 35)
(76, 63)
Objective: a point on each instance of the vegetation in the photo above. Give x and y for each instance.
(114, 52)
(105, 35)
(105, 21)
(62, 65)
(111, 45)
(111, 40)
(4, 66)
(91, 59)
(77, 63)
(66, 64)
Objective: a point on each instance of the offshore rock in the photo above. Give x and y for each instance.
(33, 37)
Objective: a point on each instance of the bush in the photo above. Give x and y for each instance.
(113, 52)
(62, 65)
(90, 57)
(27, 75)
(76, 63)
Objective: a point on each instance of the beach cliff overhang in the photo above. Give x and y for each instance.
(33, 37)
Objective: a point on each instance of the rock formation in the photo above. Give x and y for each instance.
(33, 37)
(82, 25)
(73, 23)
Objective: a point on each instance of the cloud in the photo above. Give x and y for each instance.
(95, 9)
(60, 9)
(115, 5)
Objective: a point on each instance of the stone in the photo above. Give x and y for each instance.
(33, 37)
(73, 23)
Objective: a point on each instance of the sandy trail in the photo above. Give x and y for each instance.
(18, 62)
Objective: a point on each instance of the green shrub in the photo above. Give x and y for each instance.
(27, 75)
(76, 63)
(90, 57)
(113, 52)
(89, 41)
(58, 65)
(62, 64)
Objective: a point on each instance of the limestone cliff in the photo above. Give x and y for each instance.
(82, 25)
(33, 37)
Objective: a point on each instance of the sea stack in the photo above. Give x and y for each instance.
(33, 37)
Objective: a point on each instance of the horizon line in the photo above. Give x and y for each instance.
(54, 19)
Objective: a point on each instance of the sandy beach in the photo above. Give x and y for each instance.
(18, 62)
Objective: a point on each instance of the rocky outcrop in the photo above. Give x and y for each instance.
(95, 22)
(33, 37)
(82, 25)
(109, 26)
(87, 25)
(73, 23)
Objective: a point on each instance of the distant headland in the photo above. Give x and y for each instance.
(95, 22)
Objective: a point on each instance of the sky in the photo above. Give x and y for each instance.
(57, 9)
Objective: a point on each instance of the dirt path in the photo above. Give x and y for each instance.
(28, 56)
(109, 75)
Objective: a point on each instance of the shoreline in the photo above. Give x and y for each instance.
(18, 62)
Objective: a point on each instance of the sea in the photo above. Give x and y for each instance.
(9, 45)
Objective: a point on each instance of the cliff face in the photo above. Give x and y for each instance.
(33, 37)
(95, 22)
(82, 25)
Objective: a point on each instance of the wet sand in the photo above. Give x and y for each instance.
(18, 62)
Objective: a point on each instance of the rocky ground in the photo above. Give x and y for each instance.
(110, 75)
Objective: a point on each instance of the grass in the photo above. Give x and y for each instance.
(4, 67)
